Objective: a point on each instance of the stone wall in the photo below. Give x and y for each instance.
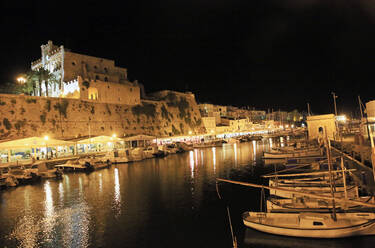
(27, 116)
(115, 93)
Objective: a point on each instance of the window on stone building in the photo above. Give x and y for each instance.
(105, 79)
(73, 63)
(95, 67)
(96, 77)
(131, 89)
(105, 70)
(93, 93)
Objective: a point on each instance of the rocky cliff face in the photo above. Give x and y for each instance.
(26, 116)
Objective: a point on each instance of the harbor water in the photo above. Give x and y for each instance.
(160, 202)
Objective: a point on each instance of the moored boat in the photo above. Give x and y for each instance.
(292, 154)
(312, 225)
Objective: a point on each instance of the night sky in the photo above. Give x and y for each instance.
(268, 54)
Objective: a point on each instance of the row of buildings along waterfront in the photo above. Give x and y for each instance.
(93, 96)
(221, 119)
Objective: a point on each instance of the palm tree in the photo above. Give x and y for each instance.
(40, 76)
(31, 81)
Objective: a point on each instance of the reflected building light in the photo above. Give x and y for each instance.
(281, 141)
(202, 157)
(214, 158)
(224, 152)
(27, 199)
(101, 183)
(196, 156)
(61, 192)
(191, 156)
(117, 189)
(49, 212)
(80, 185)
(48, 204)
(271, 143)
(235, 153)
(254, 150)
(67, 182)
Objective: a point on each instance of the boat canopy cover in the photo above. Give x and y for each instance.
(33, 142)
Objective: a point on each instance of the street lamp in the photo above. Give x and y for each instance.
(21, 80)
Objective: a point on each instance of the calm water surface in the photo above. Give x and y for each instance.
(165, 202)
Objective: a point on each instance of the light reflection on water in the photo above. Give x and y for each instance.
(117, 196)
(152, 203)
(192, 164)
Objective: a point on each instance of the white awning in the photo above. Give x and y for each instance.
(33, 142)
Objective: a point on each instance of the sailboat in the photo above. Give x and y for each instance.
(312, 224)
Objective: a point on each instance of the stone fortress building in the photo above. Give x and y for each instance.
(85, 77)
(89, 97)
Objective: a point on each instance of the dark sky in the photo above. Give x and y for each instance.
(268, 54)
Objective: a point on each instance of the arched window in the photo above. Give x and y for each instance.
(320, 130)
(93, 93)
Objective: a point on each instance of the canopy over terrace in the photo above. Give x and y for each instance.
(33, 143)
(98, 143)
(140, 140)
(99, 139)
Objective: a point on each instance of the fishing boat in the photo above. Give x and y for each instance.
(352, 191)
(312, 224)
(117, 156)
(40, 168)
(149, 151)
(293, 154)
(73, 165)
(97, 163)
(23, 176)
(135, 154)
(306, 204)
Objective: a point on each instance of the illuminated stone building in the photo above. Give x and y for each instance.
(85, 77)
(317, 125)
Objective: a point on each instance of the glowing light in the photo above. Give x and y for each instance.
(190, 132)
(114, 135)
(21, 80)
(341, 118)
(46, 137)
(49, 211)
(191, 156)
(117, 197)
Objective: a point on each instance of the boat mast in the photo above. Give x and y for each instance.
(343, 168)
(330, 175)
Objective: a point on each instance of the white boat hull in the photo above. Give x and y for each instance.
(316, 226)
(291, 154)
